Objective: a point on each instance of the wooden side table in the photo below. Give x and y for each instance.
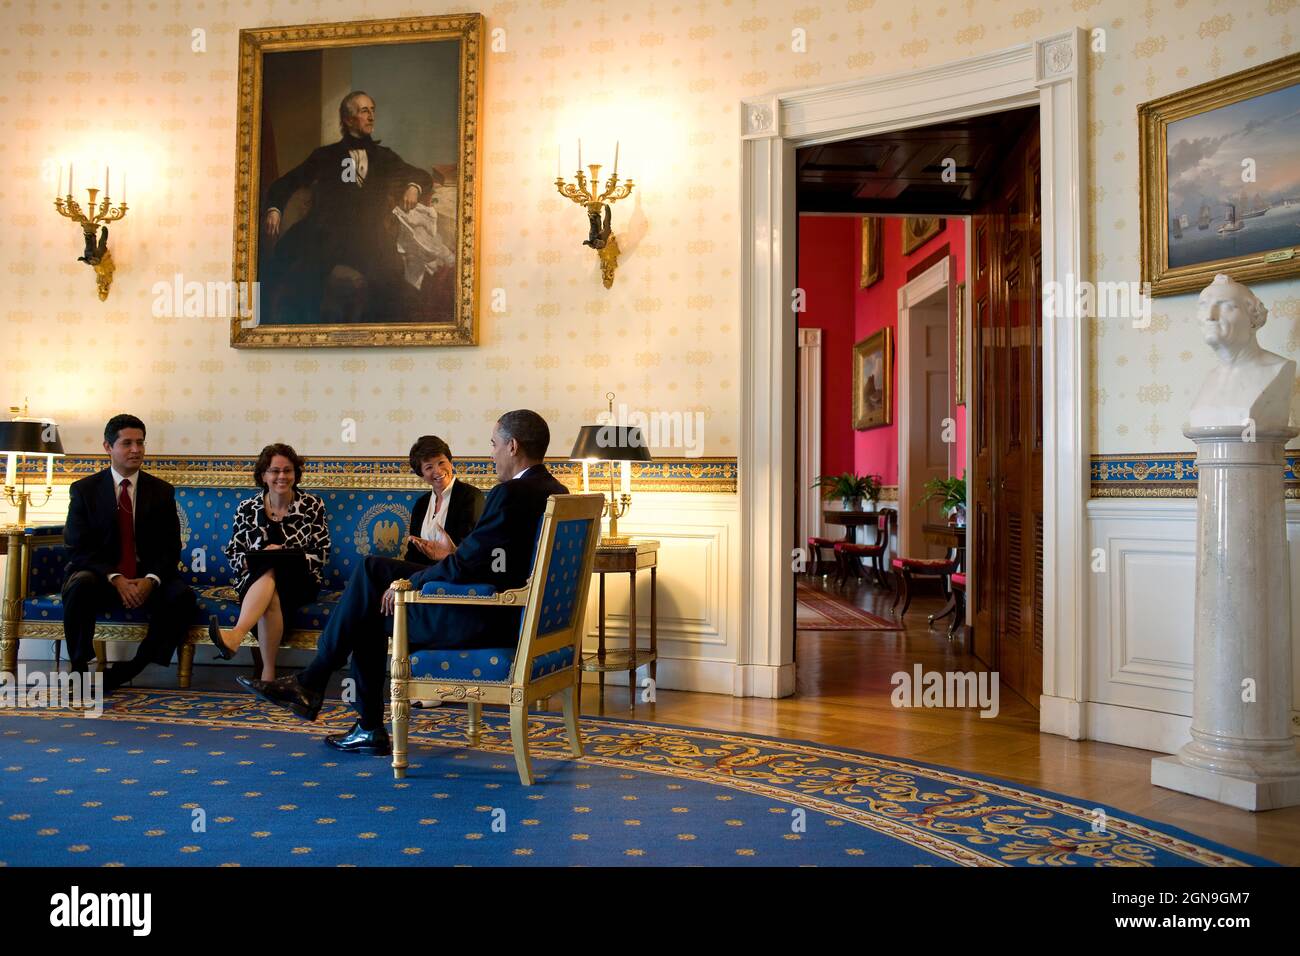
(626, 559)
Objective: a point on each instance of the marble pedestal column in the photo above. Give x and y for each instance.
(1241, 752)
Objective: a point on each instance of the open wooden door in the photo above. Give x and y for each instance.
(1006, 488)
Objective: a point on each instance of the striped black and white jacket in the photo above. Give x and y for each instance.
(306, 528)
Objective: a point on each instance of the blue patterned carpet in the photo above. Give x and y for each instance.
(205, 778)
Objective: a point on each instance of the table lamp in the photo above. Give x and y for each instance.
(23, 437)
(611, 443)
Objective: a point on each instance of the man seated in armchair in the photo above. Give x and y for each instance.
(499, 552)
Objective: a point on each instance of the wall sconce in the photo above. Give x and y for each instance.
(28, 437)
(97, 214)
(600, 237)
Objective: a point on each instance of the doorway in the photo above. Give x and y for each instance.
(1050, 74)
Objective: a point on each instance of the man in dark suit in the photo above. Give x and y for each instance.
(499, 551)
(125, 542)
(347, 241)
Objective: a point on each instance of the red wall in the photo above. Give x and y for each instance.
(830, 254)
(827, 254)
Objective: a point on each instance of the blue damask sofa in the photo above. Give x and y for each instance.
(362, 522)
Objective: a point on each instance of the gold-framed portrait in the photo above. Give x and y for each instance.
(918, 230)
(872, 252)
(1220, 180)
(873, 380)
(358, 161)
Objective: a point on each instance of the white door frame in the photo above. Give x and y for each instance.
(911, 294)
(1050, 73)
(810, 434)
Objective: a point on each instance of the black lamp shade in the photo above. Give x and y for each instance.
(610, 443)
(29, 438)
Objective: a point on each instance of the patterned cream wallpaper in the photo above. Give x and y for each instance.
(118, 81)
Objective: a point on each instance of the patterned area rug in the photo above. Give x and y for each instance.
(180, 778)
(819, 611)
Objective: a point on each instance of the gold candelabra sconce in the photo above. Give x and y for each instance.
(583, 191)
(94, 217)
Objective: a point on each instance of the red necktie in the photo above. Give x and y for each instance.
(126, 531)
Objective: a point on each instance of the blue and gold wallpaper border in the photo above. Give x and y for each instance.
(699, 475)
(1162, 475)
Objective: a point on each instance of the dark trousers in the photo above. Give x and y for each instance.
(87, 594)
(359, 629)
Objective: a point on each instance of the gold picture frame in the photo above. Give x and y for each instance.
(918, 230)
(959, 346)
(310, 280)
(873, 381)
(872, 252)
(1206, 232)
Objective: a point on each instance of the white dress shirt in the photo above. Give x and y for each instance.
(117, 493)
(436, 521)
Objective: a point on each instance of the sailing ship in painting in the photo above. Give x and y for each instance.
(1231, 223)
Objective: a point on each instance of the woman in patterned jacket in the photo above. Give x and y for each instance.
(278, 548)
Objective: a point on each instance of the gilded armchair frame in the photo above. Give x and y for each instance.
(519, 690)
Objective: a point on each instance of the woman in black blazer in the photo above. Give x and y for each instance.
(441, 518)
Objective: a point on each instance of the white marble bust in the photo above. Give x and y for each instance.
(1250, 384)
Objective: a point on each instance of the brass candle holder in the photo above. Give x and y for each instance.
(96, 214)
(600, 235)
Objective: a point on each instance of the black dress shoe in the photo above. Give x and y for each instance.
(120, 673)
(286, 692)
(358, 741)
(246, 682)
(214, 635)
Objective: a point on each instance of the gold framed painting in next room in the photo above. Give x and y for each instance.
(918, 230)
(1220, 180)
(872, 252)
(358, 162)
(873, 380)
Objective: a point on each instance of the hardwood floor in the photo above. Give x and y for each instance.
(843, 697)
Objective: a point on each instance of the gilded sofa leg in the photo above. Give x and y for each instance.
(475, 722)
(12, 612)
(185, 665)
(101, 654)
(569, 704)
(519, 738)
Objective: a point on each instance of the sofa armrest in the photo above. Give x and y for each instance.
(483, 595)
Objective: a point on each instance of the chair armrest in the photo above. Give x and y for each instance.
(41, 530)
(460, 594)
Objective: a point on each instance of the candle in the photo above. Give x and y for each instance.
(49, 470)
(69, 179)
(615, 157)
(11, 466)
(106, 181)
(626, 486)
(579, 154)
(586, 476)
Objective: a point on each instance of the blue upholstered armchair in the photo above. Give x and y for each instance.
(545, 662)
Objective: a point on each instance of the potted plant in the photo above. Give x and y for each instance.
(851, 489)
(951, 493)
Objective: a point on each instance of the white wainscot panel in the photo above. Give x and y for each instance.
(1139, 653)
(697, 591)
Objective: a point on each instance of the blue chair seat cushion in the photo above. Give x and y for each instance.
(482, 664)
(223, 601)
(446, 589)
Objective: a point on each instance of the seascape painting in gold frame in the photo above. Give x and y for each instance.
(338, 267)
(1226, 156)
(873, 380)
